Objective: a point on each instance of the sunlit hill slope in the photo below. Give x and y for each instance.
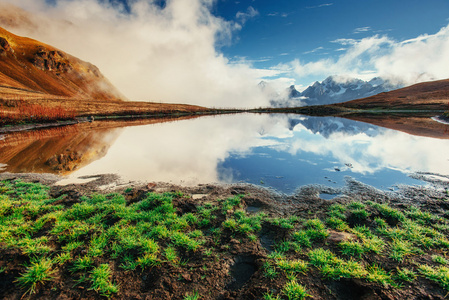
(27, 64)
(33, 73)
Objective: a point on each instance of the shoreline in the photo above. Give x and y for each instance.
(323, 111)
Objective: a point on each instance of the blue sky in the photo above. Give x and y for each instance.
(297, 28)
(280, 31)
(215, 52)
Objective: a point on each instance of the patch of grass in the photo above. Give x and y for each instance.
(439, 259)
(231, 203)
(192, 296)
(294, 291)
(129, 263)
(243, 224)
(295, 266)
(352, 248)
(439, 275)
(400, 249)
(379, 275)
(83, 263)
(62, 258)
(337, 223)
(337, 211)
(37, 273)
(171, 255)
(333, 267)
(374, 244)
(360, 214)
(405, 274)
(182, 240)
(302, 238)
(269, 270)
(100, 278)
(285, 223)
(388, 212)
(271, 296)
(315, 230)
(151, 259)
(356, 205)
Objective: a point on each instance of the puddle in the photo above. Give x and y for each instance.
(267, 241)
(328, 196)
(253, 209)
(267, 238)
(241, 272)
(441, 119)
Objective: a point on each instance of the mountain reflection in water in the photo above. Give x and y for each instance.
(279, 151)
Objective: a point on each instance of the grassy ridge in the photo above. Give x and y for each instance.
(100, 235)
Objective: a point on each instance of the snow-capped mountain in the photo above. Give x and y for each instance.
(328, 126)
(335, 89)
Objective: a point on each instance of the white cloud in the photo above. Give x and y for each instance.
(362, 29)
(278, 14)
(152, 54)
(314, 50)
(345, 42)
(414, 60)
(321, 5)
(245, 16)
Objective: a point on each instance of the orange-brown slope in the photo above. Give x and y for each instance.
(433, 95)
(31, 65)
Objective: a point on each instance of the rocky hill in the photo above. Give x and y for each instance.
(29, 65)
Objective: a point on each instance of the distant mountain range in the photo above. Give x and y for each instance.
(334, 89)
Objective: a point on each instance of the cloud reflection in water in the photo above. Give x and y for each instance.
(230, 148)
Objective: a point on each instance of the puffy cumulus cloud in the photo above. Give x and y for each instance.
(423, 58)
(149, 52)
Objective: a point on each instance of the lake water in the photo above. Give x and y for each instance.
(282, 152)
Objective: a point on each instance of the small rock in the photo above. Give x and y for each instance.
(337, 237)
(186, 277)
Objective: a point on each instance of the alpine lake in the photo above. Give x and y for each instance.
(281, 152)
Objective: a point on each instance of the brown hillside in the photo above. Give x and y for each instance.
(433, 95)
(33, 73)
(27, 64)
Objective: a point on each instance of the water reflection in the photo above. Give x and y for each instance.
(281, 151)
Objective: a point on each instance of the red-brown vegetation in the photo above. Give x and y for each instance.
(35, 113)
(432, 95)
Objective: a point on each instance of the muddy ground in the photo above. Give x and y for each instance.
(239, 272)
